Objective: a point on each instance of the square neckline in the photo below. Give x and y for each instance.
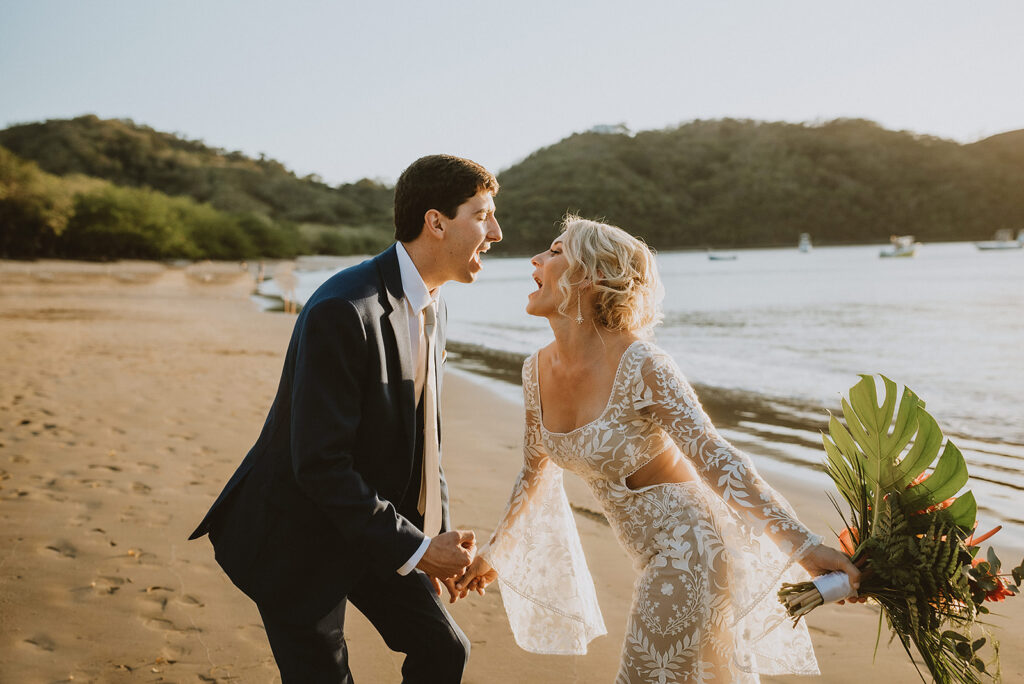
(607, 405)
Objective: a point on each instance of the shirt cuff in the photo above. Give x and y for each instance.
(415, 558)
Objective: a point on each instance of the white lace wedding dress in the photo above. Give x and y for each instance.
(710, 553)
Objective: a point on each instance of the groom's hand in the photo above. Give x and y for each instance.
(448, 555)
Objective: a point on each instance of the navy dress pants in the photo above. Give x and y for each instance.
(405, 611)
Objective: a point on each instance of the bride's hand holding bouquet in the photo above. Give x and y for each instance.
(909, 531)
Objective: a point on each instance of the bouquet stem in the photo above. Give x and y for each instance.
(803, 597)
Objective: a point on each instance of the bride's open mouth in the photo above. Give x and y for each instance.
(540, 284)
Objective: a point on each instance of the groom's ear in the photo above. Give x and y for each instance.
(432, 224)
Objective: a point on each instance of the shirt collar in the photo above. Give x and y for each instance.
(416, 292)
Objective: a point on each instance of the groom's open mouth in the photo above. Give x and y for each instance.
(478, 255)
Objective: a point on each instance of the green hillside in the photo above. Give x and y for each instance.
(730, 183)
(102, 189)
(132, 155)
(92, 188)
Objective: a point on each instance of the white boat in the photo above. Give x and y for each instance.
(805, 243)
(1002, 241)
(720, 256)
(902, 246)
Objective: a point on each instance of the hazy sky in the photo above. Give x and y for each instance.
(360, 89)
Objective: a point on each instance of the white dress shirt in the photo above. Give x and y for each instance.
(417, 298)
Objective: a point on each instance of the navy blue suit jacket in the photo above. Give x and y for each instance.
(313, 506)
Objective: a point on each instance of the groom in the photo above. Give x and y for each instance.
(342, 499)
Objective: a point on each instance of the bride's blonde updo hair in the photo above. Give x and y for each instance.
(621, 270)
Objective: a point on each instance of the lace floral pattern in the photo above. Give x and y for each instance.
(709, 553)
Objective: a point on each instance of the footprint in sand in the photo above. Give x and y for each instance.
(165, 625)
(42, 642)
(190, 600)
(79, 520)
(95, 483)
(108, 584)
(826, 632)
(160, 623)
(101, 586)
(158, 595)
(102, 532)
(63, 547)
(136, 557)
(186, 437)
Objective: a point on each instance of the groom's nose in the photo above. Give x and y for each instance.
(493, 230)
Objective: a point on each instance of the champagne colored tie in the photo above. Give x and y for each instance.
(430, 484)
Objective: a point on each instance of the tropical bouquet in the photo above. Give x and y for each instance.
(910, 530)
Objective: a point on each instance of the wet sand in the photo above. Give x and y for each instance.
(130, 393)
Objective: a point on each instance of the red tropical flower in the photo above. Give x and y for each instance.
(1001, 591)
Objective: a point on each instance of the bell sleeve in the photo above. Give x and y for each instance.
(546, 588)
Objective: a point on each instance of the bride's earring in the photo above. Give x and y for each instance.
(579, 308)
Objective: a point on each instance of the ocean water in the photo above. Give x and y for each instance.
(774, 338)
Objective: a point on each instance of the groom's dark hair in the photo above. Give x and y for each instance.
(438, 181)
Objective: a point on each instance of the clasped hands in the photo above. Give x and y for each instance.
(451, 560)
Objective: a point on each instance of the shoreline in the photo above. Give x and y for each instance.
(128, 403)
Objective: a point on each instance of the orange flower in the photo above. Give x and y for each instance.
(919, 479)
(930, 509)
(972, 541)
(937, 507)
(848, 540)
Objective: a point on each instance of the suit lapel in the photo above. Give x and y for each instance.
(398, 319)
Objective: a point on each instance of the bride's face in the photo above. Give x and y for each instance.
(549, 265)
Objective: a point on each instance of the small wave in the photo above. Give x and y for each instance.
(492, 363)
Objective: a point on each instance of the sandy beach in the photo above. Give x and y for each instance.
(129, 394)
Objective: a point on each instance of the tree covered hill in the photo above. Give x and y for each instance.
(720, 183)
(128, 154)
(744, 183)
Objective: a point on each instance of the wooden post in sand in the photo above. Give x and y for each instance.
(284, 276)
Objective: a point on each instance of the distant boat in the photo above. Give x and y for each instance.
(805, 243)
(1002, 241)
(902, 246)
(719, 256)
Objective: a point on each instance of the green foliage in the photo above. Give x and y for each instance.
(34, 208)
(731, 183)
(911, 536)
(131, 155)
(126, 223)
(336, 240)
(42, 215)
(869, 458)
(724, 183)
(279, 240)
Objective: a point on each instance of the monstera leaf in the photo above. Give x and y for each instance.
(888, 448)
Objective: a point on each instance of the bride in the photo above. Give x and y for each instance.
(711, 541)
